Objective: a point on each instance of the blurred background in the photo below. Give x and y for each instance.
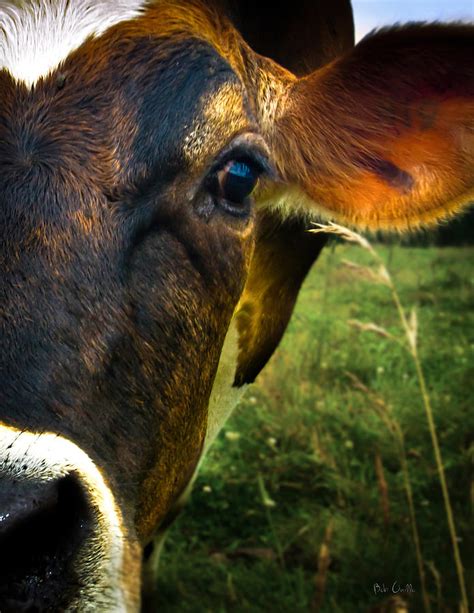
(322, 492)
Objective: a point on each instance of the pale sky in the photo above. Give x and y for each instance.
(370, 14)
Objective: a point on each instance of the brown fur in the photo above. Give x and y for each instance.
(380, 138)
(383, 137)
(284, 253)
(122, 359)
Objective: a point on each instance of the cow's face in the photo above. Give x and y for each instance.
(128, 241)
(128, 229)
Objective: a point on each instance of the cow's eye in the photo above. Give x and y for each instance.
(233, 183)
(237, 180)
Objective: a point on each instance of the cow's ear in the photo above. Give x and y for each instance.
(384, 136)
(284, 252)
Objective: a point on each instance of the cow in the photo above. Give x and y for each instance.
(160, 163)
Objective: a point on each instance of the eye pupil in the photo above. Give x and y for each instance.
(238, 181)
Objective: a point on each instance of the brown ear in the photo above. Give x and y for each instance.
(284, 253)
(301, 36)
(384, 136)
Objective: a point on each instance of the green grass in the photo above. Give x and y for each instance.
(306, 435)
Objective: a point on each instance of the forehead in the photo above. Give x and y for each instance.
(166, 85)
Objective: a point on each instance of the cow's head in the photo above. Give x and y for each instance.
(131, 140)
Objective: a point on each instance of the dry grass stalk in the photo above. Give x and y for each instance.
(382, 407)
(343, 232)
(443, 483)
(231, 588)
(383, 488)
(371, 327)
(384, 412)
(268, 504)
(322, 454)
(437, 578)
(414, 525)
(472, 497)
(320, 450)
(324, 560)
(410, 330)
(366, 273)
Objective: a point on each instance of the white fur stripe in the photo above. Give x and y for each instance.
(224, 397)
(37, 35)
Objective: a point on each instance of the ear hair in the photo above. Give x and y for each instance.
(383, 137)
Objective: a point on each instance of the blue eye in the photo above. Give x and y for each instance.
(237, 181)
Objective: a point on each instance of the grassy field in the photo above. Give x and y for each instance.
(301, 503)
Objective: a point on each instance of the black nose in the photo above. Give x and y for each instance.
(42, 526)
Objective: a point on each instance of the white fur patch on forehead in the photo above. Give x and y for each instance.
(37, 35)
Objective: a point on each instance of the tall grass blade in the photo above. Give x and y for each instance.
(324, 560)
(410, 329)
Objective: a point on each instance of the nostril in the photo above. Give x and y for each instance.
(42, 526)
(22, 502)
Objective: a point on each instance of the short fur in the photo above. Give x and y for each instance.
(122, 268)
(383, 137)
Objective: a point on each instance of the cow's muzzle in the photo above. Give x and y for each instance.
(63, 546)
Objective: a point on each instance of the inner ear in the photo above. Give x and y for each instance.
(300, 36)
